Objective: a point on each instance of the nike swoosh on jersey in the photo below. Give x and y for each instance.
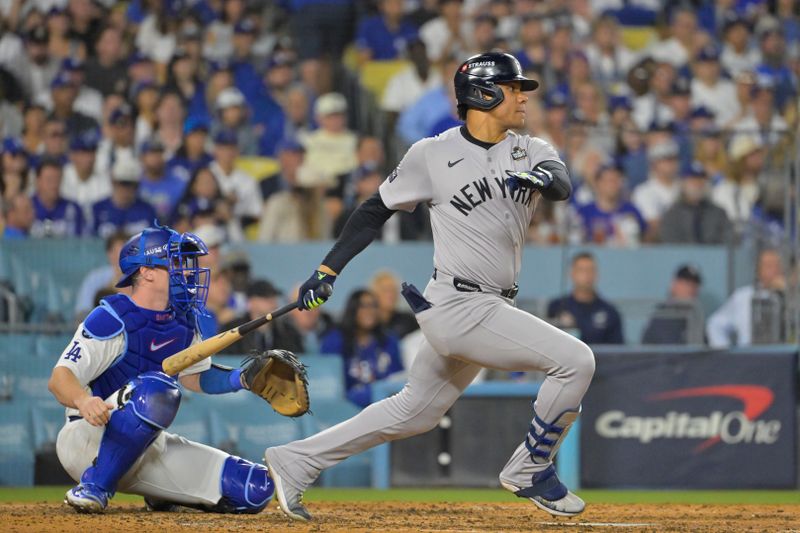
(454, 163)
(154, 346)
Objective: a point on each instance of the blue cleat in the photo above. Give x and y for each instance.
(549, 494)
(87, 498)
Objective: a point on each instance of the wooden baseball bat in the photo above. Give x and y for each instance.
(182, 360)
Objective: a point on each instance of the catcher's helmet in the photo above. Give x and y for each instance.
(479, 75)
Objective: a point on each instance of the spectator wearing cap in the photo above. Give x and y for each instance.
(13, 168)
(386, 35)
(739, 191)
(556, 112)
(54, 142)
(619, 110)
(683, 34)
(532, 53)
(64, 92)
(245, 76)
(365, 182)
(141, 68)
(82, 183)
(709, 89)
(19, 216)
(408, 85)
(776, 65)
(762, 120)
(35, 68)
(279, 75)
(273, 100)
(610, 218)
(631, 154)
(89, 100)
(679, 319)
(709, 150)
(262, 298)
(55, 216)
(331, 149)
(693, 218)
(287, 207)
(192, 154)
(183, 78)
(239, 187)
(662, 188)
(448, 34)
(157, 187)
(299, 117)
(735, 323)
(123, 211)
(106, 72)
(653, 105)
(609, 59)
(119, 142)
(418, 120)
(232, 114)
(156, 35)
(738, 55)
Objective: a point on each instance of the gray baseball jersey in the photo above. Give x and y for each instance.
(479, 228)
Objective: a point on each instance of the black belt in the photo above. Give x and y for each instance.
(465, 285)
(73, 418)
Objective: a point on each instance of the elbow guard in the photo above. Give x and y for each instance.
(561, 188)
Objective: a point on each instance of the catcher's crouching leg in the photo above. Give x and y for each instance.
(246, 487)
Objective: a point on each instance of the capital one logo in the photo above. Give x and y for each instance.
(731, 427)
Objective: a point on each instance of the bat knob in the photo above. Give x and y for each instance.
(325, 290)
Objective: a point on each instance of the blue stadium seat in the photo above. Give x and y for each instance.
(47, 421)
(51, 346)
(325, 378)
(16, 450)
(355, 471)
(252, 429)
(17, 344)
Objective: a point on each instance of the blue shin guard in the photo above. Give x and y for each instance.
(246, 487)
(150, 403)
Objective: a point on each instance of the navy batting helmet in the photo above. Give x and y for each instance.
(477, 78)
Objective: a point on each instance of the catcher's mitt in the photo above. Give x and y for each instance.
(280, 378)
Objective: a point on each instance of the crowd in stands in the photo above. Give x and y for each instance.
(229, 118)
(227, 112)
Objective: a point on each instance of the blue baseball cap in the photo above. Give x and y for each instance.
(152, 144)
(245, 26)
(702, 112)
(226, 137)
(222, 64)
(620, 101)
(120, 113)
(13, 146)
(289, 145)
(62, 79)
(195, 123)
(710, 52)
(695, 170)
(138, 57)
(86, 141)
(72, 64)
(556, 98)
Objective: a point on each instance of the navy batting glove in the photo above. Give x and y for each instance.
(538, 179)
(309, 297)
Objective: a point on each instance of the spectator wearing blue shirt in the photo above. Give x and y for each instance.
(384, 36)
(610, 218)
(775, 65)
(55, 216)
(369, 352)
(192, 154)
(160, 189)
(245, 76)
(435, 105)
(19, 217)
(584, 311)
(122, 211)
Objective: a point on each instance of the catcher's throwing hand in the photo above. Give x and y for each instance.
(309, 296)
(538, 179)
(280, 378)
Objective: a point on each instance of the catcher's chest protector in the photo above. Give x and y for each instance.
(150, 337)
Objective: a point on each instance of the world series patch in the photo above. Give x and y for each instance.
(518, 153)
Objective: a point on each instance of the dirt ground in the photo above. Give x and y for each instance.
(411, 517)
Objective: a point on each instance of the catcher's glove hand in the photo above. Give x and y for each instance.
(280, 378)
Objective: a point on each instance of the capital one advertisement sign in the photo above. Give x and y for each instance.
(691, 420)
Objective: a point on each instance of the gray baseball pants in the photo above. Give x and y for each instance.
(463, 333)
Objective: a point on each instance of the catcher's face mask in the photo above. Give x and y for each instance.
(188, 282)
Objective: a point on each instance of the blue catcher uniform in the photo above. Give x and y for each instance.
(116, 354)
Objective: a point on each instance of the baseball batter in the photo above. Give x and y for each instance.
(119, 403)
(481, 182)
